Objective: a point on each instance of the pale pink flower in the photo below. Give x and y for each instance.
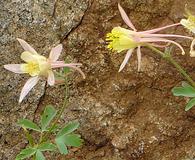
(38, 66)
(121, 39)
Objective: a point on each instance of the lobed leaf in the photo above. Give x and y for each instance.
(185, 90)
(190, 104)
(65, 138)
(68, 129)
(26, 153)
(47, 146)
(48, 115)
(61, 146)
(39, 155)
(73, 140)
(29, 124)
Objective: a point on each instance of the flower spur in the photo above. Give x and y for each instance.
(121, 39)
(38, 66)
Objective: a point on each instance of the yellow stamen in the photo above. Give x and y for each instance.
(32, 68)
(120, 39)
(36, 64)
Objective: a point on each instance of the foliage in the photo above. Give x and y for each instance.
(63, 137)
(185, 90)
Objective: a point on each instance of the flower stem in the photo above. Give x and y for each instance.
(29, 137)
(44, 138)
(170, 59)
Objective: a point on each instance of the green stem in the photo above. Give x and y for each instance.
(41, 137)
(44, 138)
(170, 59)
(29, 137)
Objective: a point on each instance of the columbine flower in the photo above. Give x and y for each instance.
(189, 23)
(121, 39)
(38, 66)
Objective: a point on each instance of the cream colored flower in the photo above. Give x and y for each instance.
(38, 66)
(121, 39)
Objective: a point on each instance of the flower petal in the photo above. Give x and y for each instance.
(27, 87)
(139, 56)
(51, 78)
(16, 68)
(55, 53)
(127, 56)
(26, 46)
(125, 17)
(27, 56)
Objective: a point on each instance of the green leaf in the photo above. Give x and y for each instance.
(68, 129)
(68, 140)
(190, 104)
(47, 146)
(61, 146)
(73, 140)
(64, 138)
(29, 125)
(48, 115)
(39, 155)
(26, 153)
(186, 91)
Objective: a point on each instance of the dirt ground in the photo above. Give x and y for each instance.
(123, 116)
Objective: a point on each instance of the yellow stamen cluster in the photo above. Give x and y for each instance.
(35, 64)
(32, 68)
(120, 39)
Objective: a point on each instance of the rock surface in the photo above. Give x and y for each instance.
(123, 116)
(43, 24)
